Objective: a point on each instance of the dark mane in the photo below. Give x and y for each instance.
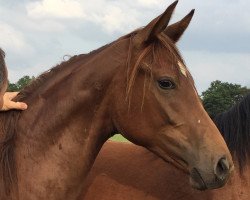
(234, 126)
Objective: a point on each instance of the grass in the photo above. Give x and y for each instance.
(118, 138)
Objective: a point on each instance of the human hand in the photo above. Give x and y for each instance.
(8, 104)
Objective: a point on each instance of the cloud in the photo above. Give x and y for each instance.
(55, 9)
(13, 40)
(149, 3)
(207, 66)
(223, 26)
(48, 25)
(115, 19)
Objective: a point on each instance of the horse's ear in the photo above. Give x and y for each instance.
(155, 27)
(175, 31)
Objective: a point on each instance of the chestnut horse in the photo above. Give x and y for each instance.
(139, 86)
(125, 171)
(3, 77)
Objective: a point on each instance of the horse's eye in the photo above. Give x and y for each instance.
(166, 84)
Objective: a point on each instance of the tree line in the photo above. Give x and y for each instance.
(20, 84)
(219, 97)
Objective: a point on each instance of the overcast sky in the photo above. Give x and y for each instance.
(36, 34)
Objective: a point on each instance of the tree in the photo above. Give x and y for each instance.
(12, 87)
(220, 96)
(20, 84)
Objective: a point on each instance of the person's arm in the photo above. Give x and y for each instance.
(8, 104)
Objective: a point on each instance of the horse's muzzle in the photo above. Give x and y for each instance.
(203, 180)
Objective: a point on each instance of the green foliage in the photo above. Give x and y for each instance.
(220, 96)
(12, 87)
(20, 84)
(118, 138)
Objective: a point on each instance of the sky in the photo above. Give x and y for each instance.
(37, 34)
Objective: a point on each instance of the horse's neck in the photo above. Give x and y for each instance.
(75, 92)
(66, 125)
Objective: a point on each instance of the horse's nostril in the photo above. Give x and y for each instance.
(222, 169)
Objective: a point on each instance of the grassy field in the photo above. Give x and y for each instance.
(119, 138)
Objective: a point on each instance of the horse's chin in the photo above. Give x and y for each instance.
(196, 180)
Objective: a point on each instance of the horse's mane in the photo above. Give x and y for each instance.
(234, 126)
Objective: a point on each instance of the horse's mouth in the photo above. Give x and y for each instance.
(196, 180)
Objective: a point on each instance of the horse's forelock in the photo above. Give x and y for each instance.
(153, 49)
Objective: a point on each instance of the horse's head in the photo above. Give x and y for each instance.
(3, 77)
(159, 108)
